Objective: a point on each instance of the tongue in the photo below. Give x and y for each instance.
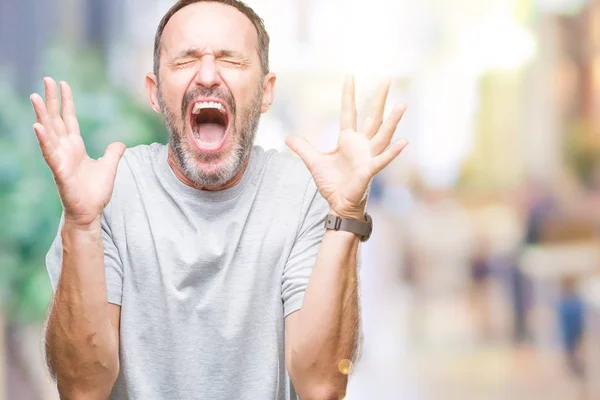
(211, 133)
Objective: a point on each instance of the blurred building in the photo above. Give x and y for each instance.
(577, 77)
(81, 23)
(22, 65)
(560, 92)
(537, 116)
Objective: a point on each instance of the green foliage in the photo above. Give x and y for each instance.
(29, 206)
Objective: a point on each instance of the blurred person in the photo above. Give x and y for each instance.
(480, 290)
(571, 318)
(207, 268)
(540, 206)
(480, 264)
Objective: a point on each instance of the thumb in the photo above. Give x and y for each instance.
(113, 155)
(306, 151)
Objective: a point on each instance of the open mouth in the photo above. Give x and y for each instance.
(209, 121)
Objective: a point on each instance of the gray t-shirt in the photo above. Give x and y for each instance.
(205, 279)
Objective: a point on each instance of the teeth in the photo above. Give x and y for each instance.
(207, 104)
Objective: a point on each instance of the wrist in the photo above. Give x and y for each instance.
(350, 210)
(75, 224)
(357, 214)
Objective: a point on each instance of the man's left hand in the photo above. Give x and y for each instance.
(344, 174)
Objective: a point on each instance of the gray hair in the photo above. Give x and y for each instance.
(263, 36)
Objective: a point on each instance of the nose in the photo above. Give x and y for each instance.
(208, 75)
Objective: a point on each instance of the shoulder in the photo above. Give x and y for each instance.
(143, 155)
(289, 180)
(138, 165)
(141, 159)
(288, 168)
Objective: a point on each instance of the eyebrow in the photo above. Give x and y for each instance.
(197, 53)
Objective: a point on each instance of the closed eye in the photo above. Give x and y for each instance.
(232, 62)
(183, 63)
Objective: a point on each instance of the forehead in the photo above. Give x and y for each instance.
(209, 24)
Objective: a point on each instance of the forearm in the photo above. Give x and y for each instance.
(81, 346)
(328, 323)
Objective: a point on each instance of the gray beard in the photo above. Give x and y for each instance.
(189, 163)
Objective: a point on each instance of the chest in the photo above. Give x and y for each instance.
(178, 245)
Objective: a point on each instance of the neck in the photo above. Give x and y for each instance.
(187, 181)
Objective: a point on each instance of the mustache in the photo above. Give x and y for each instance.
(195, 93)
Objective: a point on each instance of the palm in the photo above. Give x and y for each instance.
(84, 185)
(344, 174)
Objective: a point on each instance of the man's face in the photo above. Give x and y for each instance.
(211, 90)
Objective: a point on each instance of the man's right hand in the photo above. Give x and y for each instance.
(84, 185)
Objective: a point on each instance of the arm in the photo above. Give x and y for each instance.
(323, 335)
(82, 335)
(82, 330)
(325, 331)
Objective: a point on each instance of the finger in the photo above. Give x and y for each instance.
(69, 115)
(306, 151)
(375, 118)
(113, 155)
(384, 136)
(43, 117)
(45, 143)
(41, 112)
(42, 137)
(53, 106)
(52, 103)
(384, 159)
(348, 117)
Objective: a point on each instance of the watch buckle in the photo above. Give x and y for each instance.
(338, 223)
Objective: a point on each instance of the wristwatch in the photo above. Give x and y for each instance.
(361, 228)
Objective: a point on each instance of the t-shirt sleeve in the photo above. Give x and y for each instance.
(304, 251)
(112, 262)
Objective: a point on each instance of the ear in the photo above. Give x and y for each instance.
(152, 88)
(268, 92)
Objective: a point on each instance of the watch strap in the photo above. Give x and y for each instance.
(360, 228)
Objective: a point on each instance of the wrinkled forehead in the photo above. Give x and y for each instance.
(210, 25)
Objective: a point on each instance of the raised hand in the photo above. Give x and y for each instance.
(85, 185)
(344, 174)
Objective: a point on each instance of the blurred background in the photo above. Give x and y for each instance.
(482, 278)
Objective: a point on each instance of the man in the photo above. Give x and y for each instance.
(203, 269)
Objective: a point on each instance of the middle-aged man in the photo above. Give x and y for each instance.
(208, 268)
